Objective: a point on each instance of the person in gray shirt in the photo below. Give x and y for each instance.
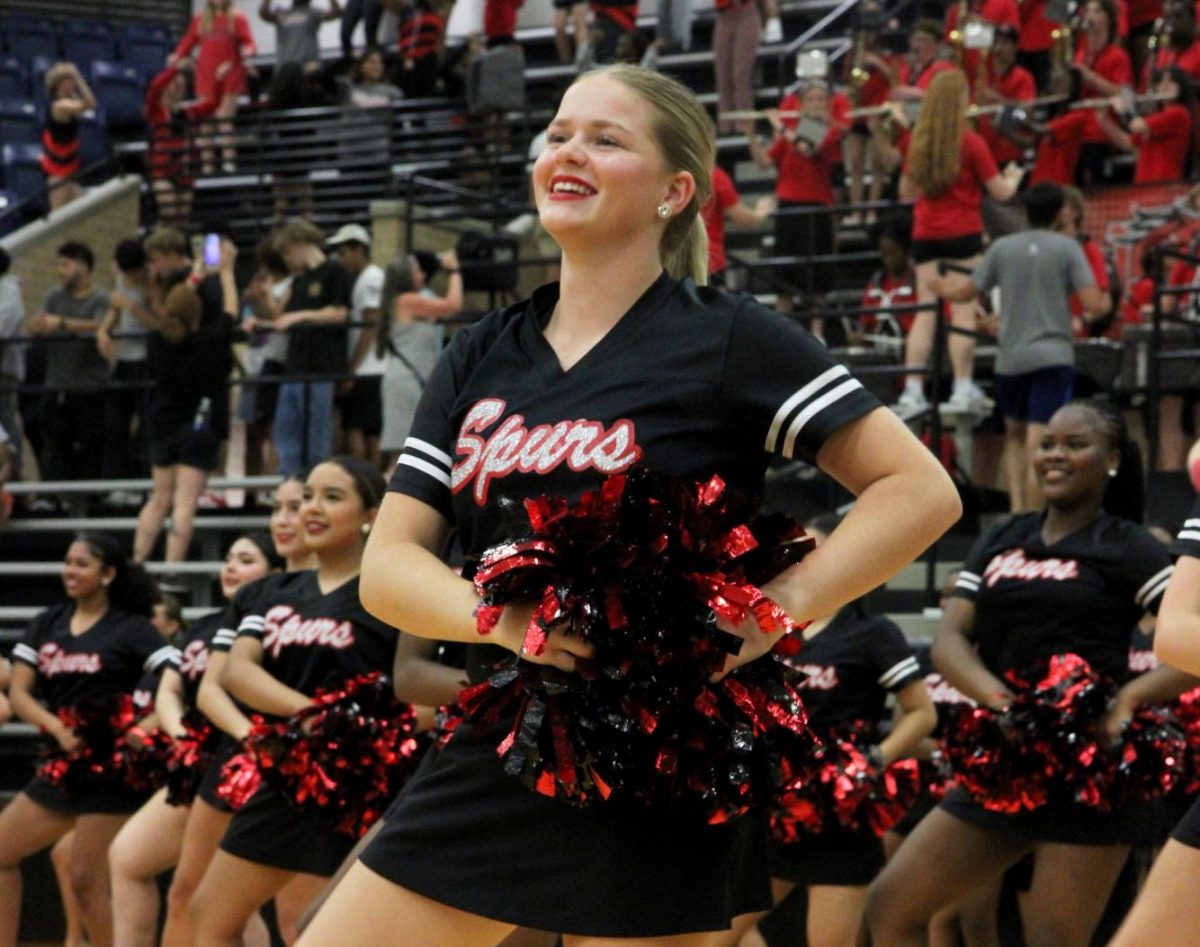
(1034, 272)
(12, 356)
(296, 30)
(72, 413)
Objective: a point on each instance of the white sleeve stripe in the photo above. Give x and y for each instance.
(964, 574)
(23, 652)
(1189, 534)
(425, 467)
(1193, 523)
(1159, 577)
(413, 443)
(898, 671)
(251, 623)
(798, 398)
(165, 653)
(815, 408)
(1156, 592)
(225, 634)
(969, 581)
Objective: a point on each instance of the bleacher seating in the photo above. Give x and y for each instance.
(86, 41)
(20, 123)
(28, 37)
(145, 48)
(14, 77)
(119, 90)
(7, 223)
(21, 170)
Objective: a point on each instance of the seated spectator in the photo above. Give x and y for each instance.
(1137, 308)
(1182, 48)
(72, 412)
(12, 357)
(368, 86)
(727, 204)
(189, 407)
(265, 355)
(804, 181)
(997, 13)
(1103, 65)
(1003, 82)
(611, 19)
(296, 30)
(69, 96)
(1162, 140)
(169, 154)
(922, 64)
(360, 399)
(894, 284)
(125, 453)
(409, 338)
(314, 318)
(422, 38)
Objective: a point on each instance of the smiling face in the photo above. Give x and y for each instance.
(602, 174)
(333, 515)
(1073, 458)
(244, 562)
(83, 572)
(286, 532)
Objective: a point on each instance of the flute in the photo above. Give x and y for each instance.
(1107, 101)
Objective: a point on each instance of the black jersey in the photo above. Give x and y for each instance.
(1187, 543)
(852, 664)
(190, 659)
(690, 382)
(245, 602)
(1083, 594)
(314, 639)
(109, 658)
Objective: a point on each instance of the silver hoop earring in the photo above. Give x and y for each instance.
(664, 210)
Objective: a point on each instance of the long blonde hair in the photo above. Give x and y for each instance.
(933, 158)
(685, 136)
(210, 14)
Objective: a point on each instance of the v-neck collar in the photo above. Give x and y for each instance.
(541, 305)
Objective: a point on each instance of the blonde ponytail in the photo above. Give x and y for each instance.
(689, 257)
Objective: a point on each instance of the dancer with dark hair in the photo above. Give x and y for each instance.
(631, 355)
(1073, 579)
(87, 652)
(149, 844)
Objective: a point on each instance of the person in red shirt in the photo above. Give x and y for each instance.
(995, 12)
(1182, 48)
(1036, 39)
(222, 39)
(922, 65)
(727, 204)
(1163, 140)
(872, 86)
(422, 34)
(1103, 65)
(1004, 82)
(804, 181)
(947, 171)
(894, 284)
(1142, 17)
(168, 152)
(1070, 224)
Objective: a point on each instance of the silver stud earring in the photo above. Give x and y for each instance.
(366, 528)
(1113, 472)
(664, 210)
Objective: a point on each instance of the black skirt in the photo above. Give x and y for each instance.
(104, 799)
(465, 834)
(1188, 829)
(270, 831)
(1064, 824)
(226, 750)
(831, 858)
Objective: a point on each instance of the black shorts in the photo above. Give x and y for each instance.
(104, 799)
(1063, 824)
(955, 248)
(805, 235)
(568, 4)
(207, 790)
(924, 805)
(831, 858)
(1035, 396)
(270, 831)
(184, 446)
(362, 406)
(465, 834)
(1188, 830)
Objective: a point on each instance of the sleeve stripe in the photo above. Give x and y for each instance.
(163, 654)
(970, 585)
(1156, 592)
(1186, 535)
(425, 467)
(1193, 523)
(898, 672)
(225, 634)
(821, 381)
(414, 443)
(251, 623)
(815, 408)
(1159, 578)
(969, 576)
(23, 652)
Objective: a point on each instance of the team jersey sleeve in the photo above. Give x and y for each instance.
(1187, 543)
(970, 576)
(784, 383)
(26, 650)
(243, 604)
(145, 643)
(1148, 567)
(893, 656)
(424, 468)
